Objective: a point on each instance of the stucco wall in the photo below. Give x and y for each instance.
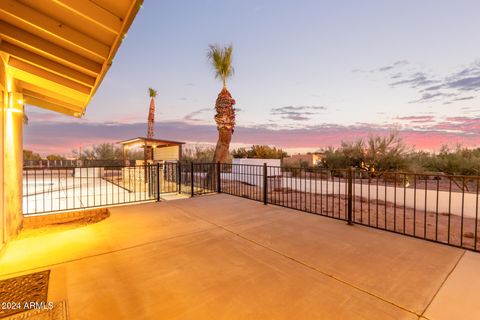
(256, 162)
(166, 153)
(2, 107)
(11, 158)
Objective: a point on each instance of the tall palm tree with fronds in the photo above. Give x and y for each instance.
(221, 60)
(151, 113)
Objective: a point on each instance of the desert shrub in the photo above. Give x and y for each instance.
(376, 154)
(460, 161)
(103, 151)
(259, 152)
(199, 153)
(53, 157)
(30, 155)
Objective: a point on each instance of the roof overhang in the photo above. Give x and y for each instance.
(58, 51)
(142, 142)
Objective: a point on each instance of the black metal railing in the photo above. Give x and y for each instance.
(49, 189)
(68, 188)
(435, 207)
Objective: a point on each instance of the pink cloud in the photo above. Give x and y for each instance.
(417, 119)
(464, 124)
(63, 137)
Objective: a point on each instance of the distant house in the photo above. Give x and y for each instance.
(310, 159)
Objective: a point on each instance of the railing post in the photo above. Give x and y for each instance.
(350, 195)
(179, 170)
(265, 184)
(158, 182)
(192, 193)
(219, 186)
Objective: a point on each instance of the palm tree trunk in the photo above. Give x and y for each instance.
(151, 119)
(223, 145)
(225, 119)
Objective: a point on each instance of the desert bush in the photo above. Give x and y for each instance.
(376, 154)
(199, 153)
(259, 152)
(103, 151)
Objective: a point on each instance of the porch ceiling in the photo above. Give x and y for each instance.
(59, 51)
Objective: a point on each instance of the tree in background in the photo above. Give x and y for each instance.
(221, 61)
(199, 153)
(379, 153)
(151, 113)
(103, 151)
(259, 152)
(135, 154)
(459, 161)
(385, 153)
(30, 155)
(54, 157)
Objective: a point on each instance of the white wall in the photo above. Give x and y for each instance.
(250, 170)
(258, 162)
(444, 200)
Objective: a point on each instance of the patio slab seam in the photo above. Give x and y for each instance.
(305, 264)
(10, 274)
(442, 284)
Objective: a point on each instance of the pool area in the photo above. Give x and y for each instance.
(63, 192)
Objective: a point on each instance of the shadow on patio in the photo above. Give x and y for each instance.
(223, 257)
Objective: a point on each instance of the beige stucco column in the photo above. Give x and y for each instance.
(11, 154)
(13, 162)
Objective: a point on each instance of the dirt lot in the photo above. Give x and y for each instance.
(442, 227)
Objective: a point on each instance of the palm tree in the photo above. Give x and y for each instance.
(221, 60)
(151, 114)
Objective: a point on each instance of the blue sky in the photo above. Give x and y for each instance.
(318, 71)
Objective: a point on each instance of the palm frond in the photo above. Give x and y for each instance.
(221, 61)
(152, 92)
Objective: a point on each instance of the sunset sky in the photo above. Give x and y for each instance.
(308, 74)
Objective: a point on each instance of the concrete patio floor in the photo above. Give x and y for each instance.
(224, 257)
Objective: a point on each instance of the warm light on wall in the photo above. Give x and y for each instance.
(9, 79)
(15, 103)
(9, 85)
(12, 143)
(10, 110)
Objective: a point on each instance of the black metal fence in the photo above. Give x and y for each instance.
(435, 207)
(57, 189)
(49, 189)
(189, 178)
